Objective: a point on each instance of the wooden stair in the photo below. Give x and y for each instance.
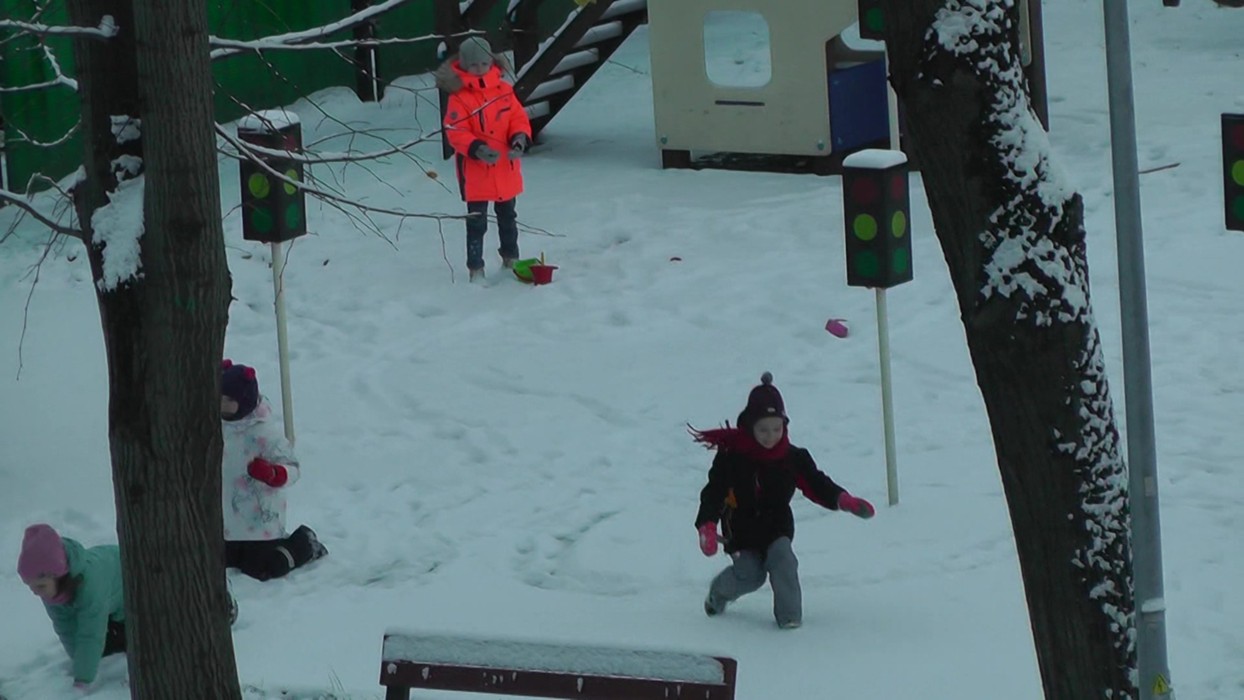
(548, 76)
(547, 73)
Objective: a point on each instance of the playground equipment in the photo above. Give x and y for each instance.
(812, 95)
(819, 97)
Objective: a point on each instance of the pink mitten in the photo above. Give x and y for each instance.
(708, 538)
(856, 506)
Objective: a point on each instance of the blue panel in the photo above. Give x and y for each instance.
(858, 111)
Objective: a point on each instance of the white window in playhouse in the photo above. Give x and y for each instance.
(736, 49)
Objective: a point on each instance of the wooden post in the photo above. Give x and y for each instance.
(449, 27)
(366, 58)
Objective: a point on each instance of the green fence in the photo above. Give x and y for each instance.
(36, 121)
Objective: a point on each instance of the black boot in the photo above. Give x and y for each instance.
(308, 544)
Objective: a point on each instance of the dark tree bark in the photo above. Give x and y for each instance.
(164, 335)
(1012, 232)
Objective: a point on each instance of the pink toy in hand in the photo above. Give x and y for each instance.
(856, 506)
(708, 539)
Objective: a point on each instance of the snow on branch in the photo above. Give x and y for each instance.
(262, 45)
(59, 79)
(106, 30)
(230, 47)
(23, 202)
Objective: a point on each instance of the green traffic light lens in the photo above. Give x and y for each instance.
(293, 216)
(262, 220)
(900, 263)
(867, 264)
(874, 19)
(1237, 172)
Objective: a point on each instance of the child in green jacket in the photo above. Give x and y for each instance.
(81, 590)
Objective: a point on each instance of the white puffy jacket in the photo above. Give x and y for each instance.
(252, 509)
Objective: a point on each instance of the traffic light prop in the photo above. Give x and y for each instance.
(872, 20)
(1233, 170)
(876, 209)
(273, 210)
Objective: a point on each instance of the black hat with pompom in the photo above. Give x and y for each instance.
(763, 402)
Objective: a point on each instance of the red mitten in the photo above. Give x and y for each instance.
(271, 474)
(856, 506)
(708, 538)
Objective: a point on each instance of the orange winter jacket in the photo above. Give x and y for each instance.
(483, 109)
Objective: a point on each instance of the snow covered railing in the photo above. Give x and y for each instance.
(547, 670)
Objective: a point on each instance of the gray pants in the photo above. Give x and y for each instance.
(748, 573)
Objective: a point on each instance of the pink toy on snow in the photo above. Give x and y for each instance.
(837, 327)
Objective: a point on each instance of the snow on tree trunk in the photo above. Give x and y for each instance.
(1011, 228)
(157, 252)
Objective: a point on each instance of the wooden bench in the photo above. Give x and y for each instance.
(545, 670)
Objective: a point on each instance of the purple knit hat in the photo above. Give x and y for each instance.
(239, 383)
(43, 554)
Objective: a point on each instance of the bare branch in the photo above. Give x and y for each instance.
(106, 30)
(248, 153)
(350, 157)
(338, 199)
(38, 268)
(23, 137)
(330, 157)
(230, 47)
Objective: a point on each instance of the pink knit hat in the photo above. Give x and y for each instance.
(43, 554)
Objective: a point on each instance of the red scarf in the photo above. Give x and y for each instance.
(742, 441)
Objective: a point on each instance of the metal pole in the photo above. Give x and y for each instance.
(892, 106)
(282, 342)
(1154, 673)
(1034, 68)
(887, 401)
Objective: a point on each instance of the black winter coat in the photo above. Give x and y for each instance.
(752, 498)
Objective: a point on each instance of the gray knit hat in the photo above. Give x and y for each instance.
(475, 51)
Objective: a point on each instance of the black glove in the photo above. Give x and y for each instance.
(482, 151)
(518, 146)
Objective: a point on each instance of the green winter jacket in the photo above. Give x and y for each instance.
(83, 623)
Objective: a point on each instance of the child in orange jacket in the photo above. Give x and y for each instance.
(489, 131)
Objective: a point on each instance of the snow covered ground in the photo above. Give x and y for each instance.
(509, 460)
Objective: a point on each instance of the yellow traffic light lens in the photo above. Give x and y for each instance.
(898, 224)
(865, 227)
(259, 185)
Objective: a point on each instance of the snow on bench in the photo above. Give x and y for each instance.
(549, 670)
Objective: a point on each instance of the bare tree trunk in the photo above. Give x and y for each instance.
(1012, 232)
(164, 335)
